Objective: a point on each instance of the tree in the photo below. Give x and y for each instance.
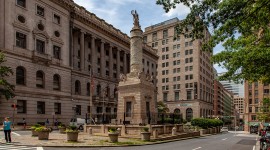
(6, 89)
(243, 26)
(264, 113)
(162, 108)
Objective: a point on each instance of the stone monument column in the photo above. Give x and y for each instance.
(136, 92)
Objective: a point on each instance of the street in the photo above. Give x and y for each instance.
(226, 141)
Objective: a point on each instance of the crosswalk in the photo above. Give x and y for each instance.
(15, 147)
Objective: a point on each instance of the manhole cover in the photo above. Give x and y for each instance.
(247, 142)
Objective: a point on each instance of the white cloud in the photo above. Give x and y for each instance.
(180, 11)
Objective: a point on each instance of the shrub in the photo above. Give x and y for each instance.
(61, 125)
(35, 126)
(112, 130)
(145, 129)
(71, 129)
(206, 123)
(43, 129)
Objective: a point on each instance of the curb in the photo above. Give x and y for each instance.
(99, 146)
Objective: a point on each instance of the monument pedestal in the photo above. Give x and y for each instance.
(136, 101)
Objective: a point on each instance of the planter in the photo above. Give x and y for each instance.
(62, 130)
(113, 137)
(43, 135)
(145, 136)
(72, 136)
(34, 133)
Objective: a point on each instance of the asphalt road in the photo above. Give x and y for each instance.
(227, 141)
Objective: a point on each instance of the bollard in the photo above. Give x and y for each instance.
(119, 131)
(90, 131)
(173, 131)
(155, 134)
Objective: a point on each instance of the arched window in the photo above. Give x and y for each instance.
(189, 114)
(177, 111)
(20, 75)
(88, 89)
(56, 82)
(98, 89)
(40, 79)
(77, 87)
(108, 91)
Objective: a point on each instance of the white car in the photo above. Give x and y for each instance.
(224, 129)
(78, 122)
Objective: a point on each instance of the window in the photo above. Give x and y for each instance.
(190, 43)
(145, 39)
(256, 92)
(77, 87)
(189, 114)
(56, 19)
(250, 101)
(176, 96)
(20, 40)
(154, 36)
(165, 97)
(39, 79)
(40, 107)
(21, 3)
(250, 109)
(20, 76)
(256, 100)
(128, 109)
(40, 11)
(88, 89)
(40, 46)
(79, 64)
(57, 108)
(78, 109)
(21, 108)
(186, 44)
(253, 117)
(256, 84)
(266, 91)
(189, 95)
(98, 90)
(56, 52)
(165, 34)
(256, 109)
(56, 82)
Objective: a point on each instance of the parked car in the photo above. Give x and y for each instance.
(224, 129)
(78, 122)
(265, 142)
(254, 129)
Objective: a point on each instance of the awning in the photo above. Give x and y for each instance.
(254, 123)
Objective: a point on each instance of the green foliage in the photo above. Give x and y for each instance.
(145, 129)
(112, 130)
(43, 129)
(6, 89)
(264, 113)
(242, 26)
(206, 123)
(184, 121)
(35, 126)
(162, 107)
(71, 128)
(61, 125)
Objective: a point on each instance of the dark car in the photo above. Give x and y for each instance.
(265, 141)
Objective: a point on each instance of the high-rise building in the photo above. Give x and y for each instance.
(185, 73)
(254, 94)
(53, 46)
(236, 88)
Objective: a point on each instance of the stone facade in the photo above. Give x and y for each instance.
(185, 73)
(55, 46)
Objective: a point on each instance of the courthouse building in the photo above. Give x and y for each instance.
(185, 73)
(53, 46)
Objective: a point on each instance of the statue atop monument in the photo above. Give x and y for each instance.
(135, 19)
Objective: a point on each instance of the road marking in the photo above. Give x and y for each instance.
(224, 139)
(197, 148)
(253, 147)
(39, 148)
(14, 147)
(16, 133)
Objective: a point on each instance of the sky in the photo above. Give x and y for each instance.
(118, 13)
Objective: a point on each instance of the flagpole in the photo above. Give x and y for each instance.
(90, 96)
